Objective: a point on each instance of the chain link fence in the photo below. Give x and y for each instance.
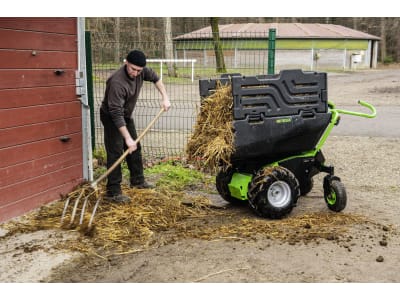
(170, 134)
(193, 59)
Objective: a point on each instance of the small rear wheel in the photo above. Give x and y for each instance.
(273, 192)
(335, 195)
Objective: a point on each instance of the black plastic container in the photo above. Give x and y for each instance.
(275, 116)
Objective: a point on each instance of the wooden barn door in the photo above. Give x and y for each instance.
(40, 114)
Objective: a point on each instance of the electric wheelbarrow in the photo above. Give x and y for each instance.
(281, 123)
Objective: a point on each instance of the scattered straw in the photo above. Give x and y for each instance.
(304, 228)
(121, 226)
(157, 217)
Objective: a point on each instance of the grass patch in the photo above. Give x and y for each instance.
(174, 175)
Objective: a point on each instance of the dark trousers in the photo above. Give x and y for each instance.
(115, 147)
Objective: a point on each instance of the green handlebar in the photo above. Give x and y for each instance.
(358, 114)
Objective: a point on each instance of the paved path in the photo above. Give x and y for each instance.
(385, 124)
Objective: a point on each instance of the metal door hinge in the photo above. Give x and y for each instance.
(80, 83)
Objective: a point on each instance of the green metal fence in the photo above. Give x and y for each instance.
(194, 59)
(170, 134)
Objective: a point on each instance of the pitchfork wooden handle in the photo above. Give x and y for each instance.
(122, 157)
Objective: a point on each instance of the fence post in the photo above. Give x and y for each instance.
(89, 72)
(271, 50)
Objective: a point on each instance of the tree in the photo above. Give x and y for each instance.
(146, 31)
(117, 34)
(169, 54)
(383, 39)
(139, 31)
(219, 55)
(396, 26)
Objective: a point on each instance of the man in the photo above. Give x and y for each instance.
(122, 91)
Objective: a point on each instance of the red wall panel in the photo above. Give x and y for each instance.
(38, 149)
(21, 97)
(36, 59)
(57, 25)
(38, 167)
(11, 79)
(38, 114)
(37, 108)
(28, 40)
(36, 132)
(35, 185)
(24, 205)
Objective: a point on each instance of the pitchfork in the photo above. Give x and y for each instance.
(88, 190)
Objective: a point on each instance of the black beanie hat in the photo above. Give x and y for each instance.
(137, 58)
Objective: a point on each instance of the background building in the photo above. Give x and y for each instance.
(298, 45)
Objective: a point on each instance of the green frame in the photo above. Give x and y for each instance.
(238, 186)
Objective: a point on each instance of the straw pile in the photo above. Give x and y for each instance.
(122, 226)
(298, 229)
(211, 143)
(155, 218)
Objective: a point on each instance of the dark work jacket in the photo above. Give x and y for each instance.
(122, 93)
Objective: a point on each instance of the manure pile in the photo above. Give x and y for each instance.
(121, 225)
(211, 143)
(158, 217)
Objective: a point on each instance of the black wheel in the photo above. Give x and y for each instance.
(273, 192)
(306, 186)
(222, 180)
(335, 195)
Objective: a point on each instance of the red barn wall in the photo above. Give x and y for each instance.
(38, 108)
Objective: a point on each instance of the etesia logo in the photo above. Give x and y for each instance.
(284, 120)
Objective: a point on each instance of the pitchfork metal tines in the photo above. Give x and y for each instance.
(86, 194)
(89, 195)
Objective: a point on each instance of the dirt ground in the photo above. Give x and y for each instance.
(363, 251)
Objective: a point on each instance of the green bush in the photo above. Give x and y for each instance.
(388, 60)
(100, 155)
